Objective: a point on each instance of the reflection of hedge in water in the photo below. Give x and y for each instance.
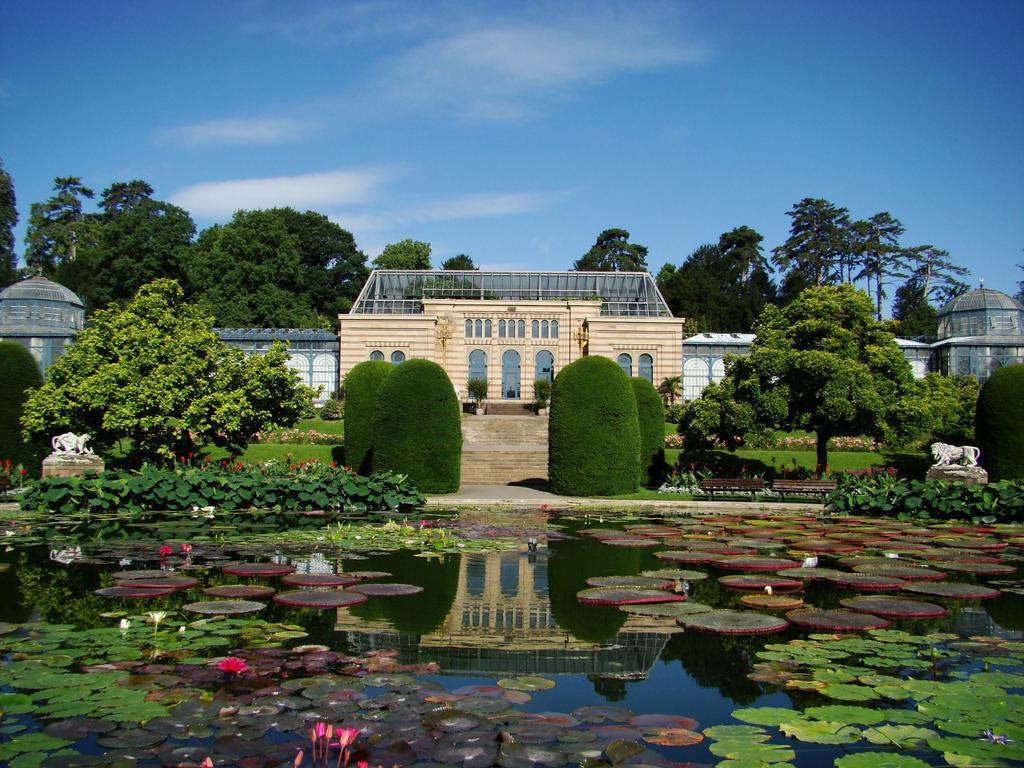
(417, 614)
(721, 662)
(572, 563)
(1007, 611)
(64, 594)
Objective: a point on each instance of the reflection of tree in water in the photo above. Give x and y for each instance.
(719, 661)
(63, 594)
(1007, 610)
(575, 560)
(612, 688)
(416, 614)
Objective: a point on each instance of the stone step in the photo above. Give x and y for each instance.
(513, 408)
(504, 449)
(501, 467)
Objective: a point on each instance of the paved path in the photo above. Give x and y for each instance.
(532, 496)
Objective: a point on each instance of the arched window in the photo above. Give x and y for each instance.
(501, 329)
(626, 364)
(522, 329)
(645, 367)
(544, 329)
(535, 329)
(398, 356)
(376, 355)
(545, 366)
(511, 329)
(487, 328)
(478, 365)
(554, 329)
(469, 329)
(479, 329)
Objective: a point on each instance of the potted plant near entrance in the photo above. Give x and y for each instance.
(541, 394)
(477, 389)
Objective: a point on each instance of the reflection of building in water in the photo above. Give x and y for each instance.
(972, 621)
(500, 623)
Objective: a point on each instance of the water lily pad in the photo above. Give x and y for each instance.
(843, 713)
(235, 591)
(386, 590)
(610, 596)
(897, 735)
(631, 582)
(363, 575)
(733, 622)
(519, 755)
(673, 737)
(631, 541)
(146, 574)
(894, 607)
(820, 731)
(979, 569)
(908, 572)
(772, 602)
(163, 582)
(759, 582)
(602, 713)
(527, 683)
(318, 580)
(835, 620)
(303, 598)
(133, 592)
(663, 721)
(690, 558)
(867, 581)
(880, 760)
(135, 738)
(224, 607)
(753, 563)
(259, 569)
(79, 727)
(451, 720)
(809, 573)
(622, 749)
(673, 610)
(675, 573)
(952, 590)
(765, 715)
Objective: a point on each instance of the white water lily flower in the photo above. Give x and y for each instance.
(125, 625)
(156, 617)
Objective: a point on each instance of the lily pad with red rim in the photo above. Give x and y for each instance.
(638, 582)
(690, 558)
(386, 590)
(893, 607)
(952, 590)
(319, 580)
(908, 572)
(133, 592)
(368, 574)
(978, 569)
(772, 602)
(224, 607)
(165, 582)
(234, 591)
(307, 598)
(835, 620)
(150, 574)
(753, 563)
(867, 581)
(808, 574)
(759, 582)
(624, 596)
(663, 721)
(728, 622)
(259, 569)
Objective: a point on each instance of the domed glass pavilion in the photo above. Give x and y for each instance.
(979, 332)
(42, 316)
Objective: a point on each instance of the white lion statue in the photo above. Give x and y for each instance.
(946, 454)
(70, 444)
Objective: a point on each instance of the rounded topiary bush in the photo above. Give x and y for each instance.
(999, 424)
(19, 374)
(650, 413)
(417, 427)
(361, 385)
(594, 435)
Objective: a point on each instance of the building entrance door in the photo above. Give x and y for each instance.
(510, 375)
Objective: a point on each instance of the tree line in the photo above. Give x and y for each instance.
(284, 268)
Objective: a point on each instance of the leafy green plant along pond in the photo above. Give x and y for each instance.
(641, 641)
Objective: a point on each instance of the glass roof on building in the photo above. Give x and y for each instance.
(623, 294)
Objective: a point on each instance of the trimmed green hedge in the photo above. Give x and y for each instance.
(20, 373)
(999, 424)
(417, 427)
(1001, 502)
(650, 411)
(361, 385)
(594, 434)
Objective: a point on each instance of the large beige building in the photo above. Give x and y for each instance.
(512, 328)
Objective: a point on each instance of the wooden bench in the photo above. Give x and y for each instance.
(820, 487)
(713, 485)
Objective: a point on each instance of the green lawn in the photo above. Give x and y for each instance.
(329, 427)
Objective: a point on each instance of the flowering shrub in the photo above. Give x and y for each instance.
(300, 437)
(12, 475)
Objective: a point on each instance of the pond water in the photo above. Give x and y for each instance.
(497, 660)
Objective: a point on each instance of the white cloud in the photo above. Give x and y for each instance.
(240, 130)
(215, 199)
(474, 206)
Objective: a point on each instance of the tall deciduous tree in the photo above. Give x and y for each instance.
(612, 252)
(155, 373)
(58, 227)
(935, 272)
(8, 219)
(136, 239)
(817, 241)
(462, 261)
(821, 364)
(276, 268)
(405, 254)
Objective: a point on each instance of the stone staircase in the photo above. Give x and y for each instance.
(501, 450)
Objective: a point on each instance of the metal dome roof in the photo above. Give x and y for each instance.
(40, 289)
(981, 298)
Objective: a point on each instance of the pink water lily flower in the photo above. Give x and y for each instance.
(232, 665)
(166, 550)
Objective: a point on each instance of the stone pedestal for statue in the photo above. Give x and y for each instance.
(955, 473)
(71, 464)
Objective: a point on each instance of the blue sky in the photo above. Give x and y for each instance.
(515, 132)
